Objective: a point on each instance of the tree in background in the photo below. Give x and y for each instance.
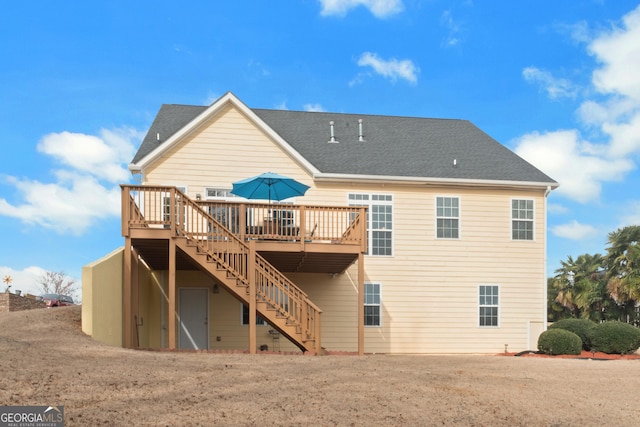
(580, 288)
(599, 287)
(623, 270)
(53, 282)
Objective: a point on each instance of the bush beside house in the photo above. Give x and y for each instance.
(581, 327)
(615, 338)
(559, 341)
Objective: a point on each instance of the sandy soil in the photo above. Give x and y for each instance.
(46, 360)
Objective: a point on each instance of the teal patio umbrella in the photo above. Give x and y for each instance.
(269, 186)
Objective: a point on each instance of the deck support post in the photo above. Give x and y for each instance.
(251, 276)
(361, 304)
(135, 297)
(127, 326)
(173, 312)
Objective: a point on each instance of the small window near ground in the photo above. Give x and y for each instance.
(245, 316)
(488, 305)
(372, 304)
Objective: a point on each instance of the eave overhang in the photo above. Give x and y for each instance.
(426, 181)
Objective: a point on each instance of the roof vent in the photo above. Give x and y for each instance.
(333, 137)
(158, 136)
(360, 134)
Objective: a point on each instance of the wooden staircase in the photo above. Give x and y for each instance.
(233, 263)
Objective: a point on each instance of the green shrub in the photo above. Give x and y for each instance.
(580, 327)
(559, 341)
(615, 338)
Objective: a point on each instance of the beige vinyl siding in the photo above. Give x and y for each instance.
(226, 149)
(338, 299)
(226, 323)
(429, 285)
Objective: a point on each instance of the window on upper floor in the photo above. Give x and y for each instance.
(166, 206)
(522, 219)
(447, 217)
(218, 193)
(379, 220)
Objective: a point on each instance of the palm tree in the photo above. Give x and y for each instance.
(623, 264)
(580, 286)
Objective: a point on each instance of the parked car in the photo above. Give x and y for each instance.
(57, 300)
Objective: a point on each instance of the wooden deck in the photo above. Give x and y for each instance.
(246, 248)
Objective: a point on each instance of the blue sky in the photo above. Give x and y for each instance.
(80, 83)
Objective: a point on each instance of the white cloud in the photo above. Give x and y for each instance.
(624, 137)
(281, 106)
(25, 280)
(631, 215)
(453, 36)
(579, 32)
(574, 230)
(78, 197)
(317, 108)
(619, 53)
(211, 98)
(555, 208)
(392, 69)
(101, 156)
(379, 8)
(613, 117)
(555, 87)
(577, 165)
(594, 114)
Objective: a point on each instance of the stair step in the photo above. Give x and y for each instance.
(215, 262)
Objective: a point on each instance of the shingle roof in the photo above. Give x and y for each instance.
(392, 146)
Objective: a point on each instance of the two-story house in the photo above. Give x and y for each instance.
(416, 236)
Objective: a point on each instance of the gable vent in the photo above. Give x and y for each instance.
(332, 139)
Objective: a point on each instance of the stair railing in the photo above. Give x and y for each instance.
(168, 207)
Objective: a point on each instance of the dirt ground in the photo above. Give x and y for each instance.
(47, 360)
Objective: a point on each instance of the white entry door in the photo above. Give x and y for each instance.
(194, 322)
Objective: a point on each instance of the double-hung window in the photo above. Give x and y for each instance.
(166, 206)
(372, 304)
(379, 221)
(447, 217)
(522, 219)
(245, 316)
(224, 213)
(488, 305)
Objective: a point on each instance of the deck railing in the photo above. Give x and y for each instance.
(341, 224)
(169, 208)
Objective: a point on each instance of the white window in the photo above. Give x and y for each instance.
(447, 217)
(166, 206)
(372, 304)
(522, 219)
(488, 305)
(218, 193)
(245, 316)
(225, 213)
(379, 221)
